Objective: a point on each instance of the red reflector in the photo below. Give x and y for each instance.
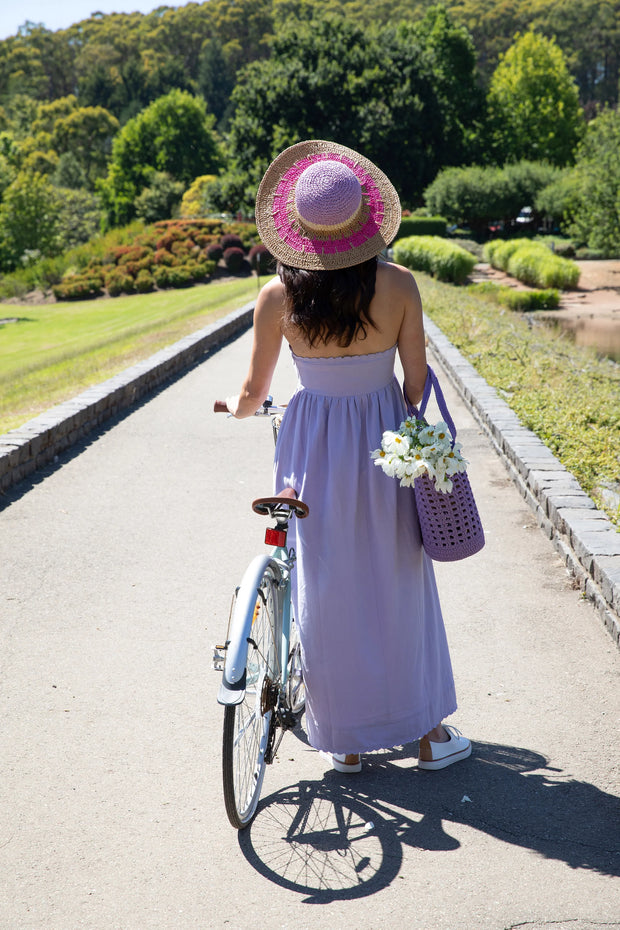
(275, 537)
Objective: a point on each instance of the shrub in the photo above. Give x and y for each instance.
(234, 258)
(118, 283)
(180, 276)
(214, 252)
(231, 241)
(439, 257)
(78, 287)
(163, 257)
(203, 240)
(499, 251)
(422, 226)
(144, 282)
(184, 248)
(134, 253)
(261, 260)
(533, 263)
(522, 301)
(161, 276)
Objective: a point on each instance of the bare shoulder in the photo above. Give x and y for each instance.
(269, 305)
(398, 282)
(272, 293)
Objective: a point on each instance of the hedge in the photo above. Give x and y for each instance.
(523, 301)
(438, 257)
(422, 226)
(532, 262)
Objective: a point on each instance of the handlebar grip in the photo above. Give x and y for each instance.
(220, 407)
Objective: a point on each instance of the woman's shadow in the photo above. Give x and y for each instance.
(342, 836)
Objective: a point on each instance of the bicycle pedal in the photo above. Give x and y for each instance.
(219, 658)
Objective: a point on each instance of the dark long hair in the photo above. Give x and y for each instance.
(330, 306)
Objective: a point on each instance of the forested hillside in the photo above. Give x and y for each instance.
(126, 116)
(122, 62)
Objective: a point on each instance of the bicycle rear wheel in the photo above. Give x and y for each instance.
(296, 689)
(246, 725)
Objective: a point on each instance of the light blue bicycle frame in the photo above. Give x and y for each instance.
(280, 561)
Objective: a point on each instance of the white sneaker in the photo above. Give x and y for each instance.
(433, 756)
(337, 762)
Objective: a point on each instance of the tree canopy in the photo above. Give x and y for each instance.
(173, 135)
(534, 104)
(406, 96)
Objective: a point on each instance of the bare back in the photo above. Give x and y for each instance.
(396, 310)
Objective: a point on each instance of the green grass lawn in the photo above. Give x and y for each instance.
(55, 351)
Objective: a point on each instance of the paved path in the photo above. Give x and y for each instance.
(116, 572)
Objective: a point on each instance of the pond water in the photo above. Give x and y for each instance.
(600, 334)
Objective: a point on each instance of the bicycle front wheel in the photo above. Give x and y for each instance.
(247, 725)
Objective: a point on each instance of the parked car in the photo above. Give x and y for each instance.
(525, 218)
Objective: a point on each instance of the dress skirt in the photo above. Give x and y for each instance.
(375, 657)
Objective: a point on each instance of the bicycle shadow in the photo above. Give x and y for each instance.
(343, 837)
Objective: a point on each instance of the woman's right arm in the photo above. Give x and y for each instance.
(411, 339)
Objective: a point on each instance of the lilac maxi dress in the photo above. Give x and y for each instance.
(374, 650)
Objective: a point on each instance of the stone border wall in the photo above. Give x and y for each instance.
(584, 537)
(33, 445)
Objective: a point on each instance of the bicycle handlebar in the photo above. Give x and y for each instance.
(267, 409)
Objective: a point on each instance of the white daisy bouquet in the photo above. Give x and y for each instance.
(420, 449)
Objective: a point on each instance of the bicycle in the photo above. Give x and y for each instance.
(262, 688)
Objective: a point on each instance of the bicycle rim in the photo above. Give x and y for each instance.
(246, 725)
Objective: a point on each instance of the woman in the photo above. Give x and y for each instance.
(374, 652)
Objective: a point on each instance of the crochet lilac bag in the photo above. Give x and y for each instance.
(450, 523)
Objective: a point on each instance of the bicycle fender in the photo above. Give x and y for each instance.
(232, 687)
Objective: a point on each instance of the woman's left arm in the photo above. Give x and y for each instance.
(265, 351)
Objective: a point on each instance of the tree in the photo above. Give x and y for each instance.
(534, 103)
(596, 217)
(87, 134)
(29, 219)
(216, 78)
(193, 202)
(476, 195)
(174, 135)
(403, 96)
(160, 199)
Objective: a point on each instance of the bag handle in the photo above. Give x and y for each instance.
(430, 383)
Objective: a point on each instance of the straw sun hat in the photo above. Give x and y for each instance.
(323, 206)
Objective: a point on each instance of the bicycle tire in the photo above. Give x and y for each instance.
(247, 724)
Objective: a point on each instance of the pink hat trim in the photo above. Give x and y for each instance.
(284, 218)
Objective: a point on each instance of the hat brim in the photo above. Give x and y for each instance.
(289, 241)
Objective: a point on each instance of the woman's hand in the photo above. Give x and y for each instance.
(232, 403)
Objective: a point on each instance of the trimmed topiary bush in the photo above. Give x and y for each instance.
(231, 241)
(181, 276)
(438, 257)
(522, 301)
(533, 263)
(422, 226)
(234, 258)
(144, 282)
(161, 276)
(78, 287)
(119, 283)
(214, 252)
(261, 260)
